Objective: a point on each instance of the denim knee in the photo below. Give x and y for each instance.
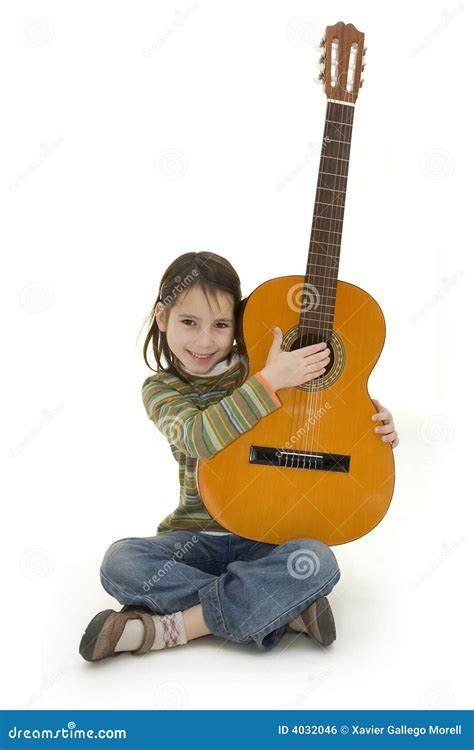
(309, 557)
(115, 566)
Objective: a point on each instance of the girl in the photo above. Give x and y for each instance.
(193, 577)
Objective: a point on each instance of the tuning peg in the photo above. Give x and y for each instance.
(365, 50)
(361, 83)
(322, 43)
(322, 59)
(321, 76)
(363, 66)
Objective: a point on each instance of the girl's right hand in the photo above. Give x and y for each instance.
(286, 369)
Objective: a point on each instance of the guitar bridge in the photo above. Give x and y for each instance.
(293, 459)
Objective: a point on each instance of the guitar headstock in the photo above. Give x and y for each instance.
(343, 62)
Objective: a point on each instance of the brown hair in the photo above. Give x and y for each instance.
(212, 273)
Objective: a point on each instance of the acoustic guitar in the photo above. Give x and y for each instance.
(314, 467)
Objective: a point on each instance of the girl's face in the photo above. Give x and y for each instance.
(193, 328)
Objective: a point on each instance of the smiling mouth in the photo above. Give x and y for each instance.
(201, 356)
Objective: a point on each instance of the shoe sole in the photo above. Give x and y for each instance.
(88, 642)
(325, 621)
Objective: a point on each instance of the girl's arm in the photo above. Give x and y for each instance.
(202, 433)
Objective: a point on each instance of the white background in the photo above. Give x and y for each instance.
(133, 133)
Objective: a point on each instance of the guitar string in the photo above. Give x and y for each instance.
(345, 118)
(310, 296)
(325, 273)
(329, 268)
(323, 269)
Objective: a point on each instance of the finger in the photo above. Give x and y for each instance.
(381, 415)
(385, 429)
(313, 348)
(389, 438)
(395, 442)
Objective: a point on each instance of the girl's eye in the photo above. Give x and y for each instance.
(187, 320)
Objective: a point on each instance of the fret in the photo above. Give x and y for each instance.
(333, 205)
(330, 231)
(328, 296)
(334, 174)
(322, 314)
(320, 218)
(335, 122)
(338, 158)
(335, 140)
(333, 244)
(333, 190)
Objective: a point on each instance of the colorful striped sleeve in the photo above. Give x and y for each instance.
(202, 433)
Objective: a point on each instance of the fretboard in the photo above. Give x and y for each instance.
(317, 312)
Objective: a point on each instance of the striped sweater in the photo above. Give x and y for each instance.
(199, 418)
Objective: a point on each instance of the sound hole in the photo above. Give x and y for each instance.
(314, 337)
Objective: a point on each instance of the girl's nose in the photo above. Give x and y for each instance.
(205, 337)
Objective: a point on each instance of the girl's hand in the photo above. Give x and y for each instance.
(387, 430)
(286, 369)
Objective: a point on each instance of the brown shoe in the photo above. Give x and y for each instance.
(317, 621)
(104, 630)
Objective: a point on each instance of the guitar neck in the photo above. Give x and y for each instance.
(328, 215)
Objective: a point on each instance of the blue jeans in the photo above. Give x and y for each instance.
(249, 590)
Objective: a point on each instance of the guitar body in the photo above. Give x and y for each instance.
(335, 502)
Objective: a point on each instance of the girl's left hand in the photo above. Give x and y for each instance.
(387, 429)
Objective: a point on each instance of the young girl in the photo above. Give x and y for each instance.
(193, 577)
